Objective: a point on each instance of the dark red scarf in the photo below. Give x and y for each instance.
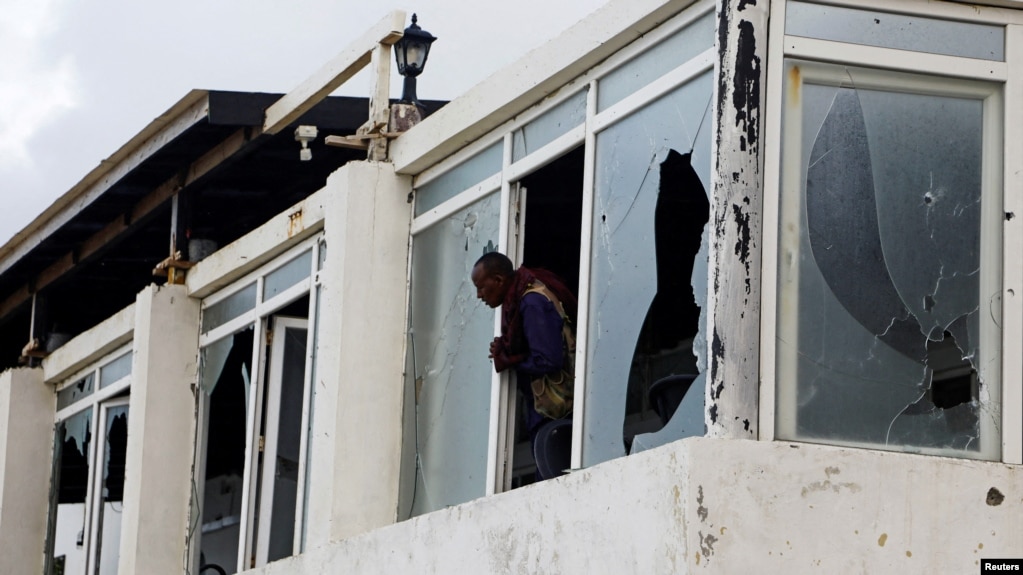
(512, 348)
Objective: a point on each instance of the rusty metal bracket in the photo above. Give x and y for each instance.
(173, 268)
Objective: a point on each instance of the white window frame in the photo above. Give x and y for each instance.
(1008, 136)
(99, 400)
(259, 318)
(501, 446)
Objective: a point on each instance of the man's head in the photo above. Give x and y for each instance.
(492, 277)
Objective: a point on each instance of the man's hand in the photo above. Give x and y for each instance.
(494, 347)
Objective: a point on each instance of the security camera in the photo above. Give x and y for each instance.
(304, 135)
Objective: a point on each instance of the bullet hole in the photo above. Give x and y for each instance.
(928, 302)
(928, 198)
(603, 217)
(994, 497)
(1009, 216)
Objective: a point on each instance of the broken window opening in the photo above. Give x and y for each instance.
(551, 231)
(447, 401)
(624, 360)
(265, 522)
(891, 257)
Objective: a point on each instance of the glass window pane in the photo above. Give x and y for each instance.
(548, 126)
(287, 275)
(288, 451)
(115, 370)
(72, 393)
(889, 196)
(451, 332)
(671, 53)
(229, 308)
(108, 524)
(460, 178)
(648, 252)
(70, 484)
(900, 31)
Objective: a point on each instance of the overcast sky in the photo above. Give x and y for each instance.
(79, 79)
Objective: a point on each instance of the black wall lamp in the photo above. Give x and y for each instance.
(411, 52)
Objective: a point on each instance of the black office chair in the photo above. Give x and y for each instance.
(552, 448)
(666, 394)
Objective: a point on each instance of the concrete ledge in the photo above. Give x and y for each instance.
(716, 506)
(90, 345)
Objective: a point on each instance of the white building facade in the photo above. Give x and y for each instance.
(800, 218)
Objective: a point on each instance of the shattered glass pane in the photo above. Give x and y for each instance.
(460, 178)
(654, 63)
(450, 336)
(549, 125)
(78, 390)
(71, 482)
(287, 275)
(884, 347)
(630, 161)
(226, 376)
(899, 31)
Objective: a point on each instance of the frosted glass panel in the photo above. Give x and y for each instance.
(650, 211)
(548, 126)
(898, 31)
(888, 345)
(451, 333)
(460, 178)
(287, 275)
(115, 370)
(671, 53)
(229, 308)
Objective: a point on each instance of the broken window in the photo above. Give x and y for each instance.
(448, 395)
(87, 488)
(648, 263)
(889, 265)
(249, 503)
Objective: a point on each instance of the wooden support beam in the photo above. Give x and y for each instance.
(171, 124)
(337, 71)
(96, 243)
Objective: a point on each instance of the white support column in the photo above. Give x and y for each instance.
(357, 415)
(27, 407)
(737, 208)
(161, 431)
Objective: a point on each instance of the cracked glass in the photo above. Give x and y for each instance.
(449, 338)
(649, 220)
(889, 269)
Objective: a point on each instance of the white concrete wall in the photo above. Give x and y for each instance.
(715, 506)
(356, 439)
(161, 431)
(26, 459)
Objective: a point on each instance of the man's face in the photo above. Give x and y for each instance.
(489, 287)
